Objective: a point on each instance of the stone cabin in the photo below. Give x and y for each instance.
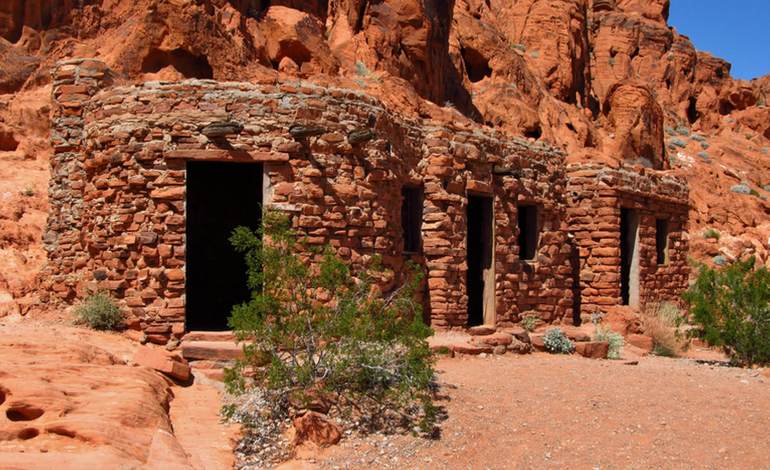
(149, 180)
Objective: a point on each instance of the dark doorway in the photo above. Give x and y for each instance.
(481, 276)
(629, 257)
(220, 197)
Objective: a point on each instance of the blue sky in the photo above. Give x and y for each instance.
(736, 30)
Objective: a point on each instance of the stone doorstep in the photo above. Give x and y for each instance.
(209, 336)
(481, 330)
(211, 350)
(495, 339)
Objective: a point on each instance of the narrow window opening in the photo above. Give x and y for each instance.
(661, 241)
(528, 232)
(411, 218)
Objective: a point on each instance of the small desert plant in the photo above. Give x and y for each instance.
(313, 330)
(28, 192)
(711, 233)
(730, 308)
(363, 71)
(614, 339)
(99, 312)
(678, 143)
(682, 130)
(529, 322)
(660, 321)
(556, 342)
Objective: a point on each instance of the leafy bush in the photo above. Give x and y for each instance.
(556, 342)
(730, 308)
(99, 312)
(660, 322)
(614, 339)
(711, 233)
(321, 331)
(529, 322)
(682, 130)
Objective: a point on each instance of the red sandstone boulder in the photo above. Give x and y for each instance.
(163, 361)
(495, 339)
(593, 349)
(537, 341)
(316, 428)
(576, 333)
(643, 342)
(519, 347)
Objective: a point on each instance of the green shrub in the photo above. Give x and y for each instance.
(556, 342)
(730, 308)
(529, 322)
(615, 340)
(320, 330)
(711, 233)
(99, 312)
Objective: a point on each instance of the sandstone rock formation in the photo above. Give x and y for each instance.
(72, 398)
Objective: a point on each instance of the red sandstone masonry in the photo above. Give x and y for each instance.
(118, 193)
(597, 194)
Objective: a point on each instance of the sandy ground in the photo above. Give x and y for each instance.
(542, 411)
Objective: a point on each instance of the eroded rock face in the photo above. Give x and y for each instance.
(637, 120)
(65, 399)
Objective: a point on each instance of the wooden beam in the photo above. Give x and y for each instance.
(224, 155)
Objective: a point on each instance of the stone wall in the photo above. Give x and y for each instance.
(75, 82)
(334, 159)
(596, 195)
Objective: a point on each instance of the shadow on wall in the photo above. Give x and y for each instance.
(186, 63)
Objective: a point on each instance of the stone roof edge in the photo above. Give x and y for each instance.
(426, 126)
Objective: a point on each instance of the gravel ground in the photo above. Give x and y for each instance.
(542, 411)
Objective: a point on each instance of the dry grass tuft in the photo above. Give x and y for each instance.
(659, 321)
